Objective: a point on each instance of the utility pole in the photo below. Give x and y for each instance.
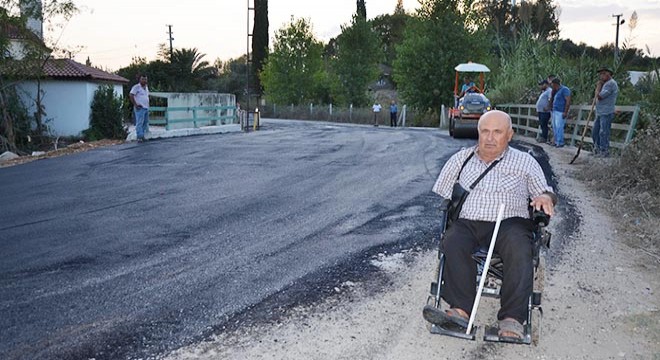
(248, 64)
(616, 42)
(171, 38)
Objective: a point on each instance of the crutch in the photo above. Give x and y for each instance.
(484, 272)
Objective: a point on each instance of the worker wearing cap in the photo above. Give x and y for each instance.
(607, 91)
(561, 103)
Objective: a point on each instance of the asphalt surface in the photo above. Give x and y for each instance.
(134, 250)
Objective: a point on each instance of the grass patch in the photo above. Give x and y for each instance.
(630, 183)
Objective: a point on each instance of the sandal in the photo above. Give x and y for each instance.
(511, 326)
(436, 316)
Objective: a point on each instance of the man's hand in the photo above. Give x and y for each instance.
(544, 202)
(599, 86)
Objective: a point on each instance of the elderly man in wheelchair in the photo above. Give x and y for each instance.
(474, 183)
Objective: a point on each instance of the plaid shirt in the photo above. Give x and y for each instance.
(513, 181)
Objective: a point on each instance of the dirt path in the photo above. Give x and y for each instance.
(600, 302)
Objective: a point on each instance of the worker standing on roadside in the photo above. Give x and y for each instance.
(376, 108)
(607, 91)
(543, 110)
(560, 106)
(139, 96)
(393, 112)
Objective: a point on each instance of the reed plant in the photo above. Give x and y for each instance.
(531, 59)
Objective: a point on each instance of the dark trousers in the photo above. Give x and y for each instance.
(514, 246)
(544, 120)
(393, 119)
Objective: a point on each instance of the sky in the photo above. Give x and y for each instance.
(111, 33)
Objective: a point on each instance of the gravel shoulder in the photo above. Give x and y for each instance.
(600, 302)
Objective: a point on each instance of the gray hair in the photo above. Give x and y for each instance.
(494, 112)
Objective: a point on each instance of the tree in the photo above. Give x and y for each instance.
(259, 41)
(356, 63)
(231, 76)
(361, 11)
(506, 21)
(293, 66)
(390, 29)
(424, 66)
(188, 70)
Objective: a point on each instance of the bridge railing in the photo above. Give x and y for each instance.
(526, 122)
(196, 116)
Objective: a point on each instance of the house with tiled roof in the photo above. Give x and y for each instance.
(66, 86)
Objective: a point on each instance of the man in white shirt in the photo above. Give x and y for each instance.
(139, 96)
(543, 109)
(376, 108)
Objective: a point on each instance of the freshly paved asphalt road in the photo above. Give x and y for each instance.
(133, 250)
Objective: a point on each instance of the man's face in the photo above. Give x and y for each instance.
(604, 75)
(555, 86)
(143, 80)
(494, 133)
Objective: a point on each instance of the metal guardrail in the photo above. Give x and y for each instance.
(335, 113)
(201, 115)
(525, 122)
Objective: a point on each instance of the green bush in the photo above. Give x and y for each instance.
(105, 120)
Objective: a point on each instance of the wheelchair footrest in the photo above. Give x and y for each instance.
(536, 298)
(454, 330)
(491, 334)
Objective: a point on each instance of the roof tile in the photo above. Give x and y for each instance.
(70, 69)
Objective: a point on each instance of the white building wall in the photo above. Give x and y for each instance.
(66, 103)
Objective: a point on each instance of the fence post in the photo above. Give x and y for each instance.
(331, 110)
(167, 119)
(257, 119)
(442, 116)
(350, 113)
(577, 125)
(403, 115)
(529, 115)
(633, 125)
(194, 117)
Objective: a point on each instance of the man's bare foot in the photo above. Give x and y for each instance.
(461, 312)
(510, 328)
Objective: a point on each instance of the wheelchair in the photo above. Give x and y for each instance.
(492, 286)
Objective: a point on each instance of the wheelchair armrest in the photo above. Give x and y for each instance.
(540, 218)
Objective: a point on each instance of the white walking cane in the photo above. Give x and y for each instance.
(484, 272)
